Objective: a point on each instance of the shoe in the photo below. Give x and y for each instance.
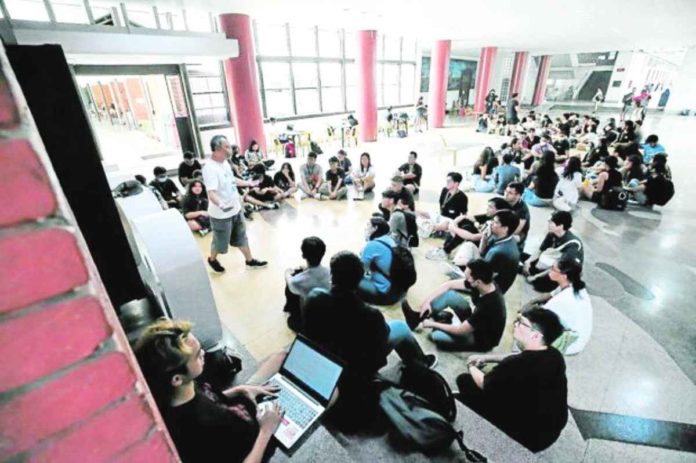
(453, 272)
(412, 317)
(436, 254)
(323, 197)
(215, 265)
(444, 317)
(276, 206)
(431, 360)
(359, 196)
(253, 263)
(203, 232)
(248, 216)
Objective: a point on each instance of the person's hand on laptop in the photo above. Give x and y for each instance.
(252, 392)
(269, 417)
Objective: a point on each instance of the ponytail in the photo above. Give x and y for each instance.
(572, 269)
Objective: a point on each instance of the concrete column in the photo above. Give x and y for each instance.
(483, 77)
(519, 70)
(542, 77)
(242, 82)
(367, 85)
(437, 89)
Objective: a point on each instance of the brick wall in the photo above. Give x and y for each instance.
(70, 388)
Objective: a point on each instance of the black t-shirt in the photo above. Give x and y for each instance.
(564, 127)
(208, 429)
(488, 319)
(453, 206)
(187, 171)
(194, 203)
(522, 211)
(334, 177)
(561, 146)
(412, 169)
(572, 251)
(526, 396)
(613, 180)
(281, 181)
(332, 319)
(406, 196)
(346, 165)
(545, 184)
(167, 189)
(266, 182)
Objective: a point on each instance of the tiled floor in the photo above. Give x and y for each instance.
(640, 268)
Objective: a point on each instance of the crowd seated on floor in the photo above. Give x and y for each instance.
(545, 163)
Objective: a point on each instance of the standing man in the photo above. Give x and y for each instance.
(512, 116)
(597, 99)
(627, 101)
(225, 207)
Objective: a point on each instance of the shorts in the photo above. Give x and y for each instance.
(265, 197)
(228, 232)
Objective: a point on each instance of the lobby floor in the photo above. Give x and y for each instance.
(631, 391)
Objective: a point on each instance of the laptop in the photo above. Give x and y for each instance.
(307, 379)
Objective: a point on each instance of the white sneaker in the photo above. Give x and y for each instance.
(452, 271)
(359, 196)
(436, 254)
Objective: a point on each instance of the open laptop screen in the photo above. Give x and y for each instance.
(316, 371)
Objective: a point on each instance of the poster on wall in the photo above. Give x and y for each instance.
(460, 77)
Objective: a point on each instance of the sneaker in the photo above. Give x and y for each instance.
(412, 317)
(253, 263)
(276, 206)
(215, 265)
(323, 197)
(436, 254)
(248, 216)
(452, 271)
(203, 232)
(431, 360)
(360, 195)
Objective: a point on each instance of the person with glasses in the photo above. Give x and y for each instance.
(526, 394)
(205, 424)
(570, 301)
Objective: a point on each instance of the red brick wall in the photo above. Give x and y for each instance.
(70, 388)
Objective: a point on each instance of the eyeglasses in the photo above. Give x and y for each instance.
(519, 321)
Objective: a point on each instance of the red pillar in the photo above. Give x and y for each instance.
(519, 69)
(242, 82)
(542, 77)
(483, 77)
(367, 85)
(437, 89)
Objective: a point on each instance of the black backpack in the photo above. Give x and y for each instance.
(402, 272)
(614, 199)
(315, 148)
(412, 237)
(659, 190)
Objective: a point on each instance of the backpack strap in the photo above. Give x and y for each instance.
(386, 274)
(470, 454)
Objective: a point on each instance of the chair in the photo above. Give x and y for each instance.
(305, 138)
(450, 150)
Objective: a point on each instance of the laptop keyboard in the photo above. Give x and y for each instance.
(295, 409)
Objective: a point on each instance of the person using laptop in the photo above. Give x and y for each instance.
(340, 322)
(205, 424)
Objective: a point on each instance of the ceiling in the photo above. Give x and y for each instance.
(538, 26)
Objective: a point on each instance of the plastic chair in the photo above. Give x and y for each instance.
(449, 150)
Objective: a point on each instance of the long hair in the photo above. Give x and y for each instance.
(572, 269)
(290, 171)
(369, 162)
(484, 157)
(252, 143)
(572, 166)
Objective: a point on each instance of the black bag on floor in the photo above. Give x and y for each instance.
(614, 199)
(659, 190)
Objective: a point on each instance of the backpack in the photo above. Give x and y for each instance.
(614, 199)
(411, 228)
(314, 147)
(659, 190)
(401, 133)
(402, 272)
(431, 386)
(290, 150)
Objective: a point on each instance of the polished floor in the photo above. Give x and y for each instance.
(631, 391)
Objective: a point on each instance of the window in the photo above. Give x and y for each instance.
(330, 74)
(208, 93)
(305, 75)
(351, 44)
(272, 40)
(70, 11)
(198, 21)
(30, 10)
(276, 75)
(408, 49)
(408, 86)
(332, 99)
(141, 17)
(303, 41)
(307, 101)
(392, 48)
(278, 103)
(329, 44)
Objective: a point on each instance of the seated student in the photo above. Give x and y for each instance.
(453, 203)
(397, 185)
(608, 178)
(166, 187)
(473, 329)
(310, 177)
(254, 155)
(650, 148)
(567, 193)
(194, 206)
(187, 168)
(543, 182)
(529, 140)
(343, 324)
(301, 280)
(506, 174)
(333, 187)
(411, 173)
(143, 181)
(484, 171)
(599, 153)
(347, 166)
(238, 163)
(205, 424)
(285, 180)
(397, 220)
(376, 286)
(562, 146)
(265, 194)
(566, 244)
(465, 228)
(364, 177)
(499, 248)
(513, 196)
(633, 169)
(655, 187)
(526, 394)
(570, 301)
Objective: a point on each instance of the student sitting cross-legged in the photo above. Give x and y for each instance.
(475, 324)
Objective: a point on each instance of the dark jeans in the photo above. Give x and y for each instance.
(451, 242)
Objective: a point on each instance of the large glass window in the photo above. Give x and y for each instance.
(307, 101)
(330, 74)
(279, 103)
(305, 74)
(329, 44)
(303, 41)
(30, 10)
(276, 75)
(141, 16)
(70, 11)
(272, 40)
(208, 93)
